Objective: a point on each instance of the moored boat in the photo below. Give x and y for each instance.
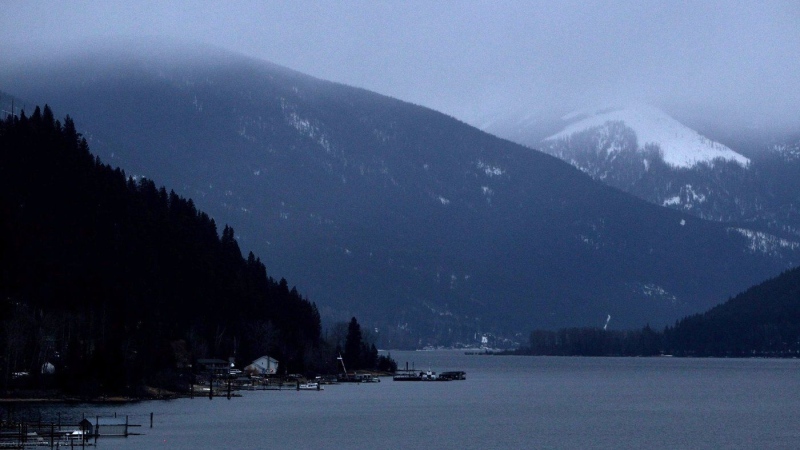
(453, 375)
(309, 386)
(406, 375)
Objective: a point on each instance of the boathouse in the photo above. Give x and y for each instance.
(263, 366)
(215, 367)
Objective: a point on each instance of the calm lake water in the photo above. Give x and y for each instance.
(506, 402)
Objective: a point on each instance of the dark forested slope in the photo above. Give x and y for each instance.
(117, 282)
(763, 320)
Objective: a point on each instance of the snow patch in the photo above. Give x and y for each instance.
(687, 198)
(489, 169)
(681, 146)
(789, 152)
(304, 126)
(654, 291)
(589, 241)
(761, 242)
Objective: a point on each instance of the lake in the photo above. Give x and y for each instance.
(506, 402)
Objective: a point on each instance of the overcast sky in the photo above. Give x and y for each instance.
(736, 60)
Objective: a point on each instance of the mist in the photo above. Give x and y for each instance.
(730, 64)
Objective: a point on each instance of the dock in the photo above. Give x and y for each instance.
(428, 375)
(70, 433)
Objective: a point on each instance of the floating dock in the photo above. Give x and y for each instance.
(427, 375)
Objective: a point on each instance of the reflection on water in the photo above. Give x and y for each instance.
(506, 402)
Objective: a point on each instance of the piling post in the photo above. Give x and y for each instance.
(126, 426)
(151, 420)
(52, 433)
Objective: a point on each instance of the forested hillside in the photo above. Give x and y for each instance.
(116, 282)
(761, 321)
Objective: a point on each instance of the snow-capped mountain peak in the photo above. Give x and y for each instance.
(680, 145)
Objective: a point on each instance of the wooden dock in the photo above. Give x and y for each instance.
(21, 434)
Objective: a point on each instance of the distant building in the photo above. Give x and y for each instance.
(48, 368)
(217, 367)
(263, 366)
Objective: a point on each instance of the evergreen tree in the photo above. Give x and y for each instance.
(352, 345)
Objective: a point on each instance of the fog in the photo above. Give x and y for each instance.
(735, 63)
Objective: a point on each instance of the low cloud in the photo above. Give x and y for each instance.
(736, 62)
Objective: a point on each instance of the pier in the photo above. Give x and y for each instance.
(68, 433)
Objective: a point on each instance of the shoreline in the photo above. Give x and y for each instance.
(107, 400)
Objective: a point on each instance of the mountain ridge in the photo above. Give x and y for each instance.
(432, 230)
(680, 146)
(759, 194)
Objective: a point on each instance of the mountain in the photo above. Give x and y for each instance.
(432, 231)
(678, 145)
(645, 152)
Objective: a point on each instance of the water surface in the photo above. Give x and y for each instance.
(506, 402)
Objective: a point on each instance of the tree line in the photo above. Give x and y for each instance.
(116, 283)
(761, 321)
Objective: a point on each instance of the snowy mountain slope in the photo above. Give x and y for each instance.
(680, 146)
(643, 151)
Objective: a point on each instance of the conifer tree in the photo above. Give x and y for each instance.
(352, 345)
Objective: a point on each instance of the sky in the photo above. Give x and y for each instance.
(735, 61)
